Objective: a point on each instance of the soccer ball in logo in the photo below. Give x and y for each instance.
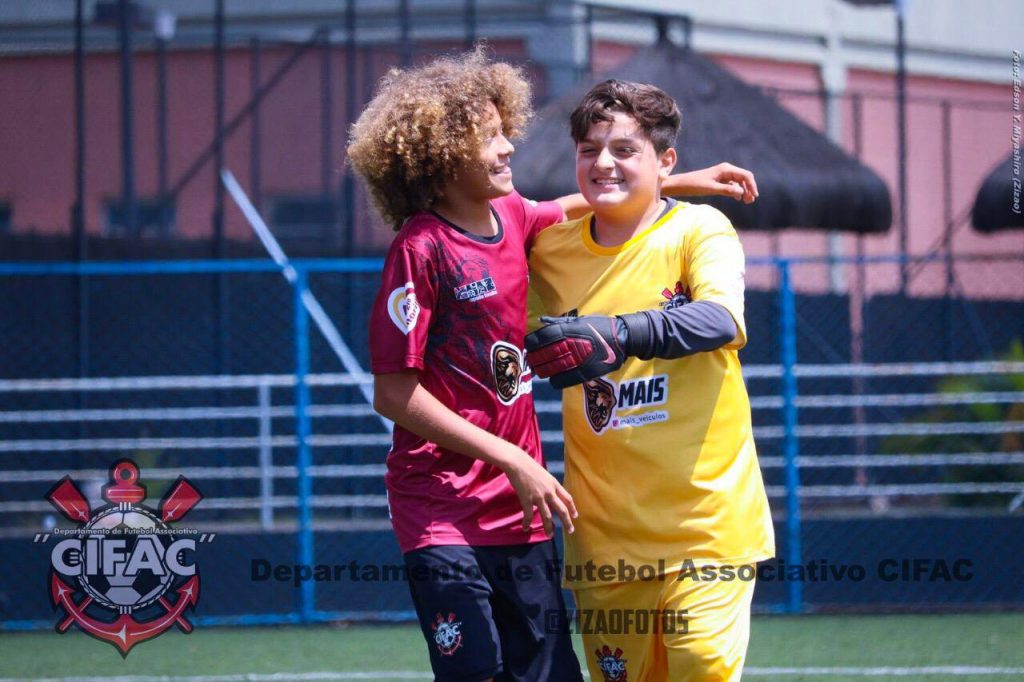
(447, 634)
(124, 558)
(612, 664)
(114, 586)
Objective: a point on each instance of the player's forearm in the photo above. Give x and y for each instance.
(688, 184)
(723, 179)
(696, 327)
(401, 398)
(573, 206)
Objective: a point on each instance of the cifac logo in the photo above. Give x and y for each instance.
(677, 297)
(113, 575)
(612, 664)
(447, 634)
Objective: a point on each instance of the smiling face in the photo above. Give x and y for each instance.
(618, 170)
(489, 175)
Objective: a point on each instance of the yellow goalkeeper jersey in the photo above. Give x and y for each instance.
(659, 454)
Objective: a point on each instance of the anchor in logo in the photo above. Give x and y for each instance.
(124, 558)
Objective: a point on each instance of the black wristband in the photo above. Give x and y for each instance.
(636, 340)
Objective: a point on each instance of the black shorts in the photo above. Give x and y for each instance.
(493, 612)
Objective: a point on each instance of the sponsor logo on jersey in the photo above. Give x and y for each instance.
(612, 664)
(447, 634)
(509, 369)
(605, 401)
(474, 291)
(599, 396)
(640, 419)
(403, 309)
(642, 392)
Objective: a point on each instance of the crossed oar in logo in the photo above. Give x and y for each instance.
(69, 557)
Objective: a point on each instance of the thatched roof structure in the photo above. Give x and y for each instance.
(804, 179)
(993, 207)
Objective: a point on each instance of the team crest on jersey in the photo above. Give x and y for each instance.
(447, 634)
(677, 297)
(403, 309)
(509, 368)
(474, 291)
(612, 664)
(605, 401)
(599, 396)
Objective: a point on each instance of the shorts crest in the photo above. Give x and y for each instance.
(612, 664)
(447, 634)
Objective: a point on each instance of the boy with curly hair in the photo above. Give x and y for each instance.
(471, 502)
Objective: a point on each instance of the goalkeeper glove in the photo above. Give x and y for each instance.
(571, 350)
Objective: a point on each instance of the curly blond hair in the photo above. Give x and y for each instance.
(425, 122)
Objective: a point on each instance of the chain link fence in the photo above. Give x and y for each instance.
(889, 426)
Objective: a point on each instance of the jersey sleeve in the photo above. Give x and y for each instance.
(537, 216)
(401, 314)
(534, 309)
(715, 268)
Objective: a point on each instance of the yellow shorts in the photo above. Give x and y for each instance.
(707, 642)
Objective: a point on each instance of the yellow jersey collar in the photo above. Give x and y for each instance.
(599, 250)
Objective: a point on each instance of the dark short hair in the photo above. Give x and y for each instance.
(651, 107)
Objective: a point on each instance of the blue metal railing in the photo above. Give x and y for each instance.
(791, 445)
(306, 606)
(306, 599)
(307, 596)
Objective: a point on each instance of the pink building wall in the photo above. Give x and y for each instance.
(37, 147)
(37, 132)
(979, 139)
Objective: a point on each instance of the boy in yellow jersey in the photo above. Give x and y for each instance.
(659, 450)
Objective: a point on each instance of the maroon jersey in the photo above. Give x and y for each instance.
(453, 306)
